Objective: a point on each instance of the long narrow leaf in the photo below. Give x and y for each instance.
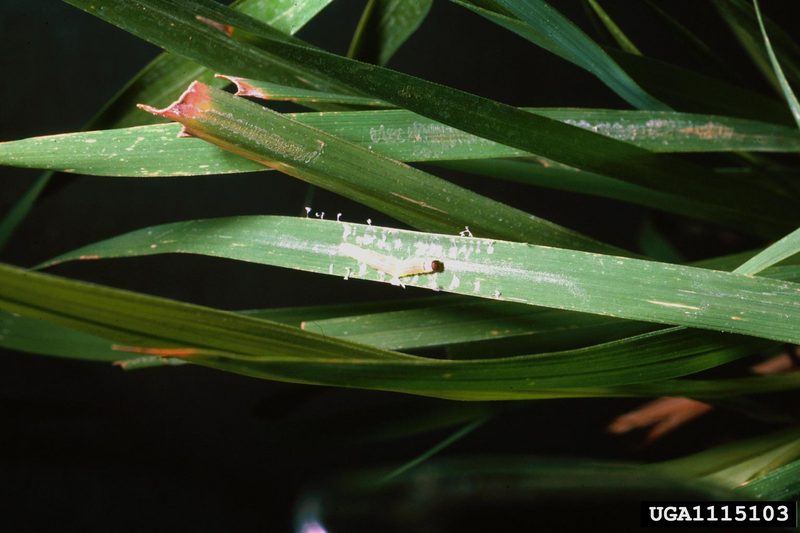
(788, 94)
(536, 275)
(777, 252)
(398, 134)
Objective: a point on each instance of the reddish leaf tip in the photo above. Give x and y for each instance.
(194, 101)
(244, 88)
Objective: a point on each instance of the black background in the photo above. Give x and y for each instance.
(90, 447)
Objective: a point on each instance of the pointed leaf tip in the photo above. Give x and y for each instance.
(243, 87)
(194, 100)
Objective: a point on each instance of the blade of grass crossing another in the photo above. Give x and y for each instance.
(788, 94)
(272, 351)
(403, 192)
(773, 254)
(480, 116)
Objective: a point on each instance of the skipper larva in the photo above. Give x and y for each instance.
(397, 268)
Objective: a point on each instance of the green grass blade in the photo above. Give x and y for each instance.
(788, 94)
(507, 271)
(544, 26)
(616, 32)
(482, 117)
(272, 351)
(398, 134)
(385, 26)
(403, 192)
(775, 253)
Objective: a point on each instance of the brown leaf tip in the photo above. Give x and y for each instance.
(194, 101)
(244, 87)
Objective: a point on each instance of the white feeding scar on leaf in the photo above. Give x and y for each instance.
(397, 268)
